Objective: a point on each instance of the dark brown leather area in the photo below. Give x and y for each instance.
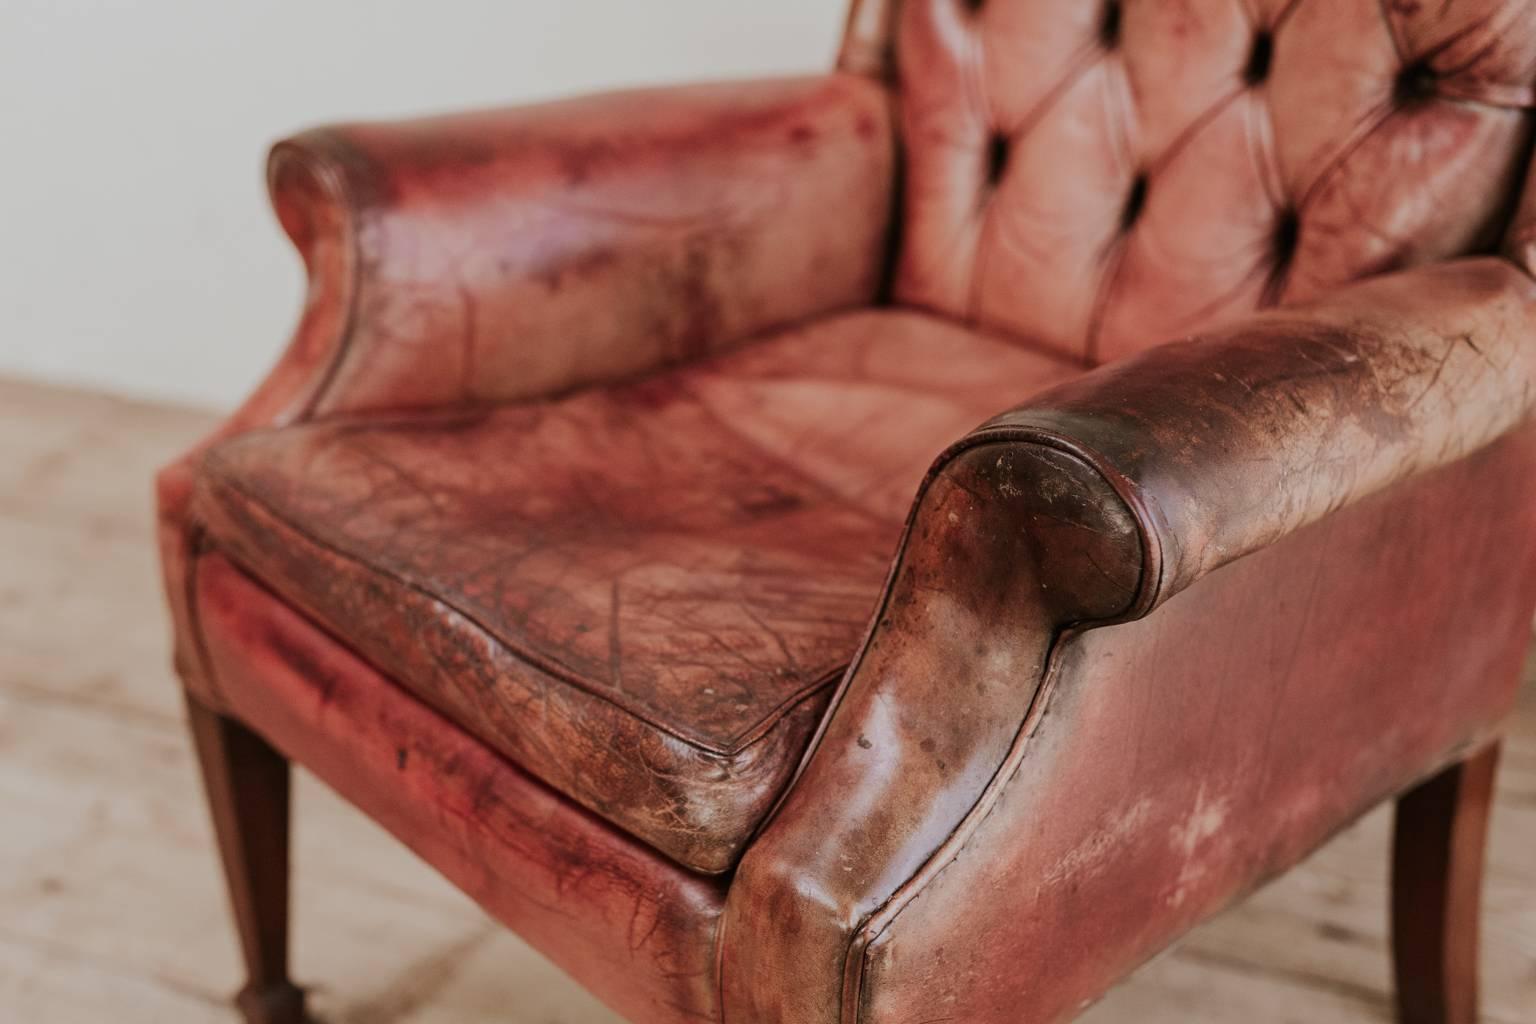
(639, 594)
(1228, 442)
(1175, 763)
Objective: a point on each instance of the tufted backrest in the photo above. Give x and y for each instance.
(1104, 175)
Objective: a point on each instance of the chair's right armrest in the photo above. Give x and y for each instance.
(1395, 414)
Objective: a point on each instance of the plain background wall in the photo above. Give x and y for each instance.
(137, 250)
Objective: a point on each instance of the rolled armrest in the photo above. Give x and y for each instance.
(513, 253)
(1224, 444)
(1088, 506)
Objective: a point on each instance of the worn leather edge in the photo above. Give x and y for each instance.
(1150, 594)
(1355, 391)
(1150, 539)
(1150, 531)
(1066, 603)
(1057, 674)
(876, 925)
(868, 39)
(320, 215)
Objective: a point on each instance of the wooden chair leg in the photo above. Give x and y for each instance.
(247, 783)
(1437, 869)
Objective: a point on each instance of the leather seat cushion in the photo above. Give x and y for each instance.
(641, 594)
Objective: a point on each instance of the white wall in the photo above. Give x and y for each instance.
(137, 251)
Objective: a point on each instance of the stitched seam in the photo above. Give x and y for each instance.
(194, 540)
(1145, 598)
(999, 333)
(863, 942)
(822, 489)
(334, 183)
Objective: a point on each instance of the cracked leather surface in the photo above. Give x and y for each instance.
(641, 594)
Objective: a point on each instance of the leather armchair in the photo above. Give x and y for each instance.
(566, 539)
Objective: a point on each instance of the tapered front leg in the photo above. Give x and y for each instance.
(1437, 871)
(248, 783)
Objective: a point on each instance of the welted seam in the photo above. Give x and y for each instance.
(335, 185)
(1148, 528)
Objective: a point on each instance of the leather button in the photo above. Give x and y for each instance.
(1135, 202)
(1287, 236)
(1415, 83)
(1259, 58)
(997, 159)
(1110, 23)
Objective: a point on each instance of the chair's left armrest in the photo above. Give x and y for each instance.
(518, 252)
(1089, 506)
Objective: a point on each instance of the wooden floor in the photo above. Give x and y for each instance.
(110, 908)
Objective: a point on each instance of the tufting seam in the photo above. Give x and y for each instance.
(1080, 65)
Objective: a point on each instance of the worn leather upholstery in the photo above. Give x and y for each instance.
(643, 594)
(583, 481)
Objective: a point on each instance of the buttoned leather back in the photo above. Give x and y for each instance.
(1104, 175)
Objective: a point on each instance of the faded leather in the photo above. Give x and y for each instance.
(515, 253)
(550, 537)
(643, 595)
(635, 928)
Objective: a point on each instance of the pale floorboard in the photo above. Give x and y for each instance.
(111, 908)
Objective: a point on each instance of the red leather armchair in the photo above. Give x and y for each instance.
(567, 538)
